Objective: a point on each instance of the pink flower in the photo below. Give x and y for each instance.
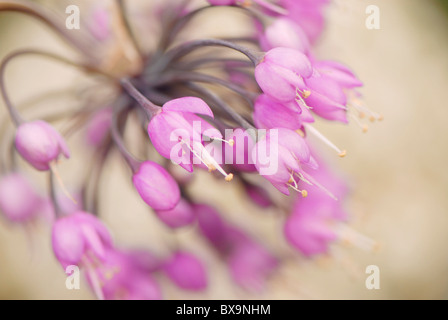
(211, 225)
(308, 14)
(283, 32)
(281, 73)
(338, 72)
(327, 200)
(19, 202)
(280, 157)
(326, 99)
(186, 271)
(181, 215)
(328, 88)
(269, 113)
(308, 230)
(80, 239)
(40, 144)
(156, 186)
(251, 264)
(122, 277)
(178, 133)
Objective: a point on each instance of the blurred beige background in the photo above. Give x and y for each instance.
(397, 170)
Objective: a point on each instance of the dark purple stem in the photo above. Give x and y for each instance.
(134, 164)
(17, 119)
(147, 105)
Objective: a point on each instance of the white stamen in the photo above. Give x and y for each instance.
(363, 126)
(320, 136)
(356, 238)
(96, 284)
(207, 159)
(55, 171)
(230, 142)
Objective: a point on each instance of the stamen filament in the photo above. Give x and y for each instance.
(56, 174)
(320, 136)
(351, 236)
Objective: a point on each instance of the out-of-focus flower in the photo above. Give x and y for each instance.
(307, 231)
(19, 202)
(156, 186)
(186, 271)
(283, 32)
(181, 215)
(122, 277)
(309, 14)
(250, 265)
(80, 239)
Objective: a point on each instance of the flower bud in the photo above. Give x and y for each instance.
(19, 202)
(156, 186)
(181, 215)
(40, 144)
(78, 237)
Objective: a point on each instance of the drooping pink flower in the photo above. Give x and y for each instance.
(338, 72)
(178, 133)
(327, 200)
(80, 239)
(328, 88)
(307, 230)
(181, 215)
(280, 158)
(156, 186)
(186, 271)
(269, 114)
(326, 99)
(19, 202)
(40, 144)
(308, 14)
(251, 264)
(281, 73)
(122, 277)
(283, 32)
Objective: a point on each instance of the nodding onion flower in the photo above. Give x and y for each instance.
(241, 107)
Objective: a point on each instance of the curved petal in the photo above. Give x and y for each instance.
(189, 104)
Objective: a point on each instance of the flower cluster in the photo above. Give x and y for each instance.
(241, 108)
